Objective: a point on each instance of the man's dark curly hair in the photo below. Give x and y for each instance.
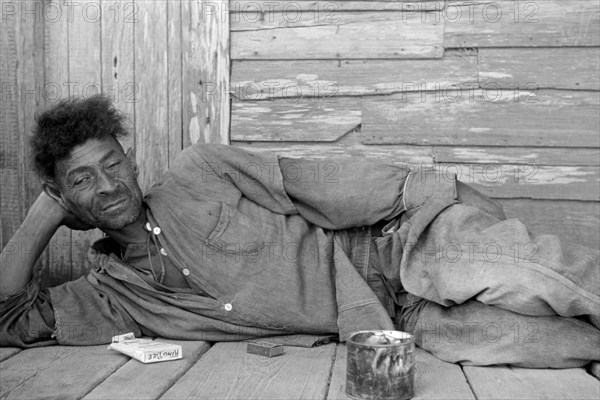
(70, 123)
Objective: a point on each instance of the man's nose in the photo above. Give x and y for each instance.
(106, 184)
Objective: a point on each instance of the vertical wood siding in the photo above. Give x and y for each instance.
(154, 58)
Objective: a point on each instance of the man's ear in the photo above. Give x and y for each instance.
(131, 159)
(52, 190)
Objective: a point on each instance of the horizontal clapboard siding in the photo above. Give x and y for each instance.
(330, 8)
(546, 68)
(502, 23)
(296, 120)
(348, 35)
(512, 104)
(414, 156)
(489, 117)
(261, 80)
(539, 156)
(529, 180)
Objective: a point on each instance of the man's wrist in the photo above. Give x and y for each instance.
(46, 211)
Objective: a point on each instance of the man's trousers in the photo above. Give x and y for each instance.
(484, 289)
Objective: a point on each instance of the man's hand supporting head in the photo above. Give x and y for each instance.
(20, 254)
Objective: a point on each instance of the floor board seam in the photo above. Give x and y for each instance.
(10, 356)
(468, 382)
(118, 367)
(331, 367)
(178, 377)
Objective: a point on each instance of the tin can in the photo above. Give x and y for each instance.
(380, 365)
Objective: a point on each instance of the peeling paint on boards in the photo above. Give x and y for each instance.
(194, 126)
(513, 174)
(194, 130)
(496, 75)
(479, 130)
(481, 156)
(307, 77)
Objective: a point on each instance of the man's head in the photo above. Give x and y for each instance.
(83, 165)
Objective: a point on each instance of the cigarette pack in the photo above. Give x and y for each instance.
(265, 349)
(145, 350)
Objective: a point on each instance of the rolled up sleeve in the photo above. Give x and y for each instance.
(85, 315)
(74, 313)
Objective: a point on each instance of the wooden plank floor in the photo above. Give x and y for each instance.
(226, 371)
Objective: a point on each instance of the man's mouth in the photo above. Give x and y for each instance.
(114, 204)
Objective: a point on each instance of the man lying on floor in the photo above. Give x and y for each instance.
(231, 245)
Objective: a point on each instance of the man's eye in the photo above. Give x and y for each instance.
(114, 165)
(81, 181)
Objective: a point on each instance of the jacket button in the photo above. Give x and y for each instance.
(156, 231)
(186, 271)
(148, 227)
(228, 307)
(163, 252)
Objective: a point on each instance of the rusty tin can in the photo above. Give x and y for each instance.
(380, 365)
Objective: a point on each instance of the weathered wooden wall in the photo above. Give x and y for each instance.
(162, 62)
(506, 93)
(503, 92)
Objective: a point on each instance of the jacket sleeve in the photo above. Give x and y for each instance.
(27, 318)
(74, 313)
(331, 193)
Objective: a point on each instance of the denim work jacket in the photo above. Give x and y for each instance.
(262, 242)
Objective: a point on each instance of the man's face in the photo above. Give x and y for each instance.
(98, 183)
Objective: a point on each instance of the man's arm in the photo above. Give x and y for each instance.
(331, 193)
(43, 219)
(344, 192)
